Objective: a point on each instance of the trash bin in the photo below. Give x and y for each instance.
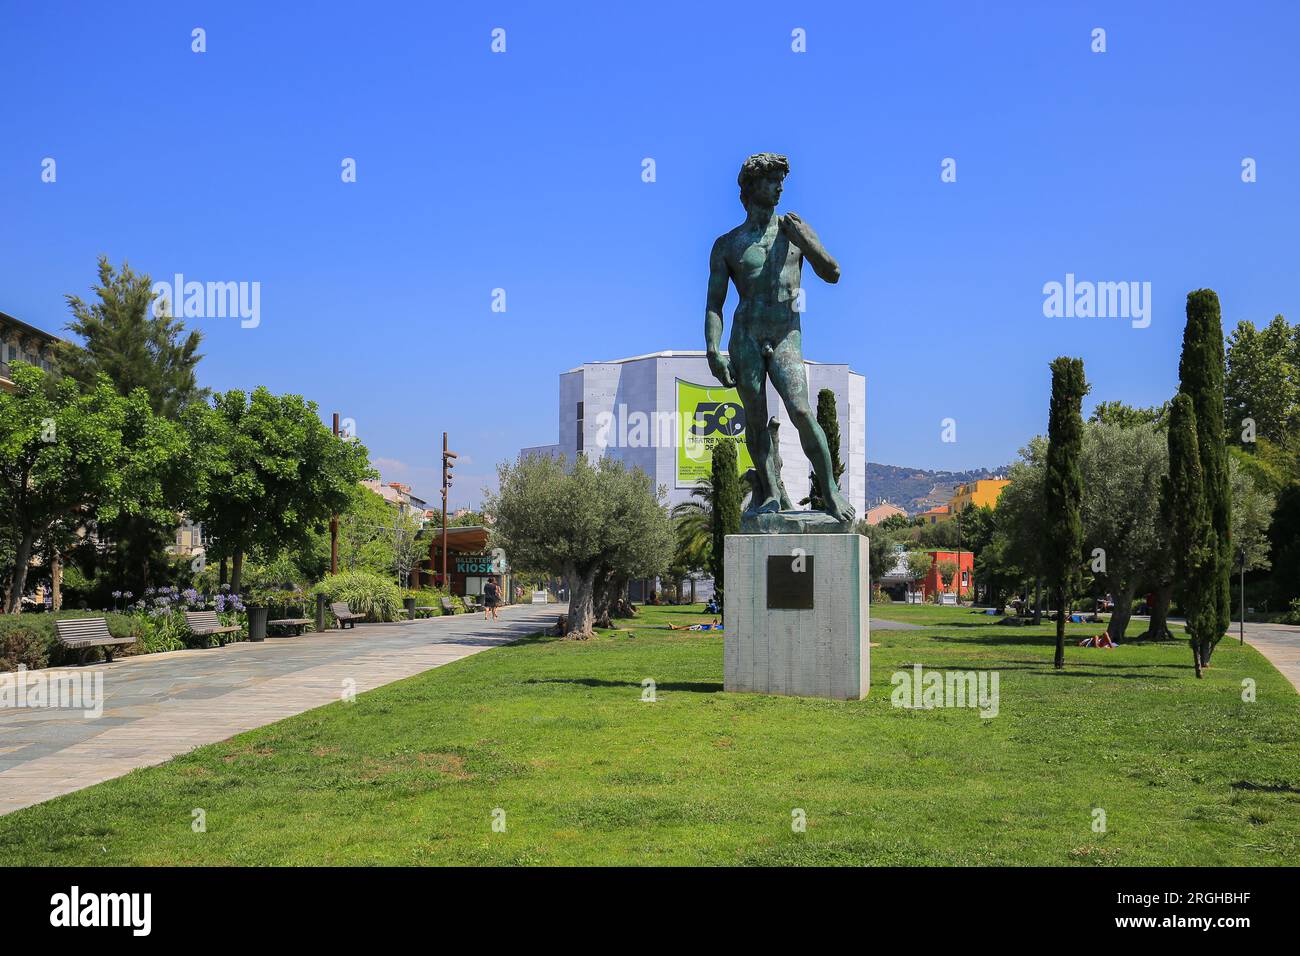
(410, 607)
(320, 613)
(257, 623)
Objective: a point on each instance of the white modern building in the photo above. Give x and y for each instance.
(661, 412)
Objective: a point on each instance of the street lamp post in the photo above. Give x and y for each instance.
(334, 521)
(448, 462)
(1241, 632)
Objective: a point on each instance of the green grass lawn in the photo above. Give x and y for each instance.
(556, 735)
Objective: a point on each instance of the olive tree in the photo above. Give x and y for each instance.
(585, 522)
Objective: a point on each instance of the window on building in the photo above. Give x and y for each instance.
(580, 426)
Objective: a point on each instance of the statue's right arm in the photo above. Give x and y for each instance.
(717, 297)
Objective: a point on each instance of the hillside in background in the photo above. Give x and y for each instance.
(916, 489)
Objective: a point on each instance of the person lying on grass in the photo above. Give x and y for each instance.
(715, 626)
(1101, 640)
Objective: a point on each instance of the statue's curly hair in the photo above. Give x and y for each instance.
(757, 167)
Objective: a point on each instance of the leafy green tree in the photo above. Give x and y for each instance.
(124, 340)
(1252, 512)
(918, 568)
(1262, 382)
(1194, 548)
(1122, 415)
(580, 520)
(1284, 538)
(1200, 377)
(881, 554)
(829, 420)
(1122, 470)
(69, 458)
(947, 572)
(726, 511)
(1022, 523)
(899, 523)
(1063, 490)
(270, 472)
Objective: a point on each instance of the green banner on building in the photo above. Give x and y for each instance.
(707, 414)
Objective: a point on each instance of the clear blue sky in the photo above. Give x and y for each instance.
(523, 171)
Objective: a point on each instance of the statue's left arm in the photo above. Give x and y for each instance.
(802, 235)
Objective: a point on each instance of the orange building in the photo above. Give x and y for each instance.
(977, 494)
(933, 581)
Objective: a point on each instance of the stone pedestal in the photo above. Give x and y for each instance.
(797, 615)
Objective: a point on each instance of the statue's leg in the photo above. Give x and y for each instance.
(747, 365)
(791, 380)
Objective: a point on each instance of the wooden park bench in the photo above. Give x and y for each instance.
(83, 633)
(206, 623)
(344, 615)
(296, 624)
(447, 606)
(470, 603)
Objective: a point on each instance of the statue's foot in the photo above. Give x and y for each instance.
(838, 507)
(768, 506)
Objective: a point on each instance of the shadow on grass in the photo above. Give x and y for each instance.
(1264, 787)
(694, 687)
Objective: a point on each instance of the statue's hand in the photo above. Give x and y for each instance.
(720, 366)
(798, 231)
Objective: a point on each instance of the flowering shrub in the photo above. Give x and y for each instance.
(161, 613)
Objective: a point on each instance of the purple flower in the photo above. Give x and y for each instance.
(148, 591)
(117, 594)
(128, 595)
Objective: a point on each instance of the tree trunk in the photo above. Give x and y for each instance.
(581, 610)
(56, 583)
(1059, 662)
(1119, 617)
(1159, 627)
(692, 589)
(619, 604)
(236, 570)
(222, 579)
(602, 596)
(1196, 658)
(18, 583)
(1038, 601)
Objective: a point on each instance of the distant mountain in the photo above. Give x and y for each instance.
(918, 489)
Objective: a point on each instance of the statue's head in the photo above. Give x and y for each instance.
(761, 177)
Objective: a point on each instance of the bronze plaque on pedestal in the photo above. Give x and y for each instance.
(790, 582)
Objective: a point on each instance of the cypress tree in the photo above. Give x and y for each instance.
(829, 420)
(726, 508)
(1200, 377)
(1063, 491)
(1187, 509)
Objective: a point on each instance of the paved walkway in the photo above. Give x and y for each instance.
(1280, 643)
(159, 705)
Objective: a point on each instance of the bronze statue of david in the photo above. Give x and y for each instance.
(763, 257)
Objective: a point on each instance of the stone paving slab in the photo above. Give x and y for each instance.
(157, 706)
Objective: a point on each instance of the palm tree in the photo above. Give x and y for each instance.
(693, 523)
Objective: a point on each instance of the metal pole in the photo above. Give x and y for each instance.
(1242, 632)
(334, 521)
(445, 582)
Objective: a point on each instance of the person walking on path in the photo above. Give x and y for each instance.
(491, 598)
